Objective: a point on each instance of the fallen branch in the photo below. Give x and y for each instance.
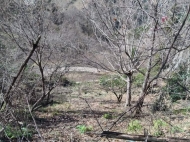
(148, 138)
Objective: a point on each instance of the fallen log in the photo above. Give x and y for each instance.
(148, 138)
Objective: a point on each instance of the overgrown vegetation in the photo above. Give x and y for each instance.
(177, 85)
(18, 133)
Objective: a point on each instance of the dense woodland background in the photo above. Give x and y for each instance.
(72, 70)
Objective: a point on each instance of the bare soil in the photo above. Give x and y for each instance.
(59, 121)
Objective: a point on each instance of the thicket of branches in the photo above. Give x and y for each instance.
(146, 37)
(37, 50)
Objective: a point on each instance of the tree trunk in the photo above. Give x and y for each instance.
(146, 83)
(128, 93)
(145, 86)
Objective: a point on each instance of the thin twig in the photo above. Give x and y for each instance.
(36, 126)
(94, 115)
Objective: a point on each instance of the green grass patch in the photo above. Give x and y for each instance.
(158, 126)
(107, 116)
(14, 132)
(176, 129)
(134, 126)
(182, 111)
(84, 128)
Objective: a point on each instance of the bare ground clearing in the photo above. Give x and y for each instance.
(59, 121)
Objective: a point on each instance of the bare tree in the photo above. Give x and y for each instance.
(120, 29)
(37, 56)
(139, 36)
(164, 42)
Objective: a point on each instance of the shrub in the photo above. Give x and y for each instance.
(66, 82)
(108, 81)
(115, 84)
(177, 86)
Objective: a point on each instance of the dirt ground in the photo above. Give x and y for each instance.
(86, 104)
